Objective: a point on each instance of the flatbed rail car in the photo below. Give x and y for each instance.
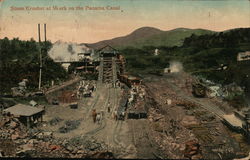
(138, 112)
(123, 105)
(130, 80)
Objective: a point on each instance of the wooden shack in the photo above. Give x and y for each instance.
(27, 114)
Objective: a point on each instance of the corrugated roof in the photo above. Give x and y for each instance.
(23, 110)
(233, 120)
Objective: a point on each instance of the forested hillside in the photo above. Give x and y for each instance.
(200, 55)
(20, 60)
(149, 36)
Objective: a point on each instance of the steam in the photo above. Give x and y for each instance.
(175, 66)
(63, 51)
(70, 49)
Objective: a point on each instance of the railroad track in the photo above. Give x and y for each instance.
(209, 107)
(103, 121)
(95, 101)
(119, 123)
(116, 132)
(93, 104)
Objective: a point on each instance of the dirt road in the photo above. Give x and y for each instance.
(115, 134)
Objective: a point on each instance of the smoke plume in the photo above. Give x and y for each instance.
(63, 51)
(176, 66)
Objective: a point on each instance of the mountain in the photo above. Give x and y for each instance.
(149, 36)
(137, 35)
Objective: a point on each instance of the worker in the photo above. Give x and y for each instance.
(102, 112)
(115, 115)
(94, 115)
(108, 107)
(123, 115)
(98, 118)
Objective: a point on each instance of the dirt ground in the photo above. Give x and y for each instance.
(114, 133)
(175, 118)
(195, 118)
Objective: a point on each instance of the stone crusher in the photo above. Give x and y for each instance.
(108, 68)
(100, 76)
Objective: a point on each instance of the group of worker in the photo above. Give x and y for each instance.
(85, 89)
(98, 116)
(135, 93)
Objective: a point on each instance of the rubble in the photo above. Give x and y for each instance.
(20, 91)
(55, 121)
(189, 120)
(183, 128)
(69, 125)
(85, 143)
(17, 141)
(192, 150)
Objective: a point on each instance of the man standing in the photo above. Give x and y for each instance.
(108, 107)
(94, 114)
(98, 118)
(115, 115)
(123, 115)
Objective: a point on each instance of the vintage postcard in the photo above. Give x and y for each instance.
(125, 79)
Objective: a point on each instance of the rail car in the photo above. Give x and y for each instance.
(123, 105)
(130, 80)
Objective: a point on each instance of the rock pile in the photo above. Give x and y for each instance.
(192, 150)
(84, 143)
(11, 128)
(169, 135)
(55, 121)
(17, 141)
(69, 126)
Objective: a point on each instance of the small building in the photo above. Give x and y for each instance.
(243, 56)
(233, 122)
(27, 114)
(156, 52)
(108, 51)
(138, 111)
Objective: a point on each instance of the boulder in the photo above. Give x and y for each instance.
(14, 136)
(13, 124)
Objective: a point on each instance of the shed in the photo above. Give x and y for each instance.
(108, 51)
(27, 114)
(232, 122)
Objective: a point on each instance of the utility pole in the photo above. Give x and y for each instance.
(40, 54)
(209, 21)
(45, 38)
(249, 12)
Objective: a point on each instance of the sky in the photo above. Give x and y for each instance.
(19, 19)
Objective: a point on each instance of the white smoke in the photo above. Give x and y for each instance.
(63, 51)
(175, 66)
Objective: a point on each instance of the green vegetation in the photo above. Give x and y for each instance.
(200, 55)
(167, 38)
(143, 61)
(149, 36)
(20, 60)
